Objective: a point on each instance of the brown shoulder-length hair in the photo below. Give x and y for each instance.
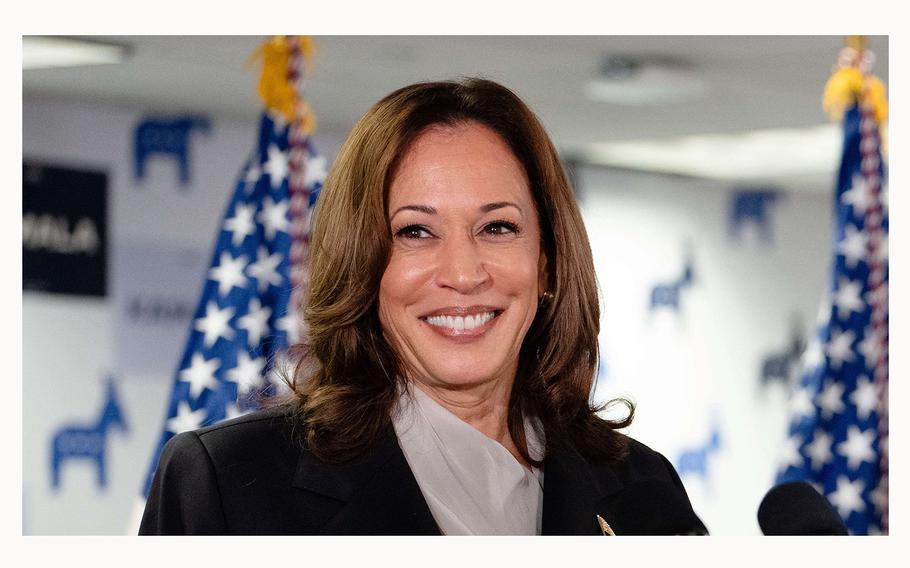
(346, 377)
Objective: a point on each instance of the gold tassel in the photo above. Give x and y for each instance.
(842, 91)
(279, 94)
(849, 85)
(875, 95)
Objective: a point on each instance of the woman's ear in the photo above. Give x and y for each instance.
(543, 274)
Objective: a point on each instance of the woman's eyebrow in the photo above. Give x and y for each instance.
(432, 210)
(499, 205)
(421, 208)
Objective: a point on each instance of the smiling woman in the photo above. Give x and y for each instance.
(445, 383)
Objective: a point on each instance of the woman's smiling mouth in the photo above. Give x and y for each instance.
(465, 323)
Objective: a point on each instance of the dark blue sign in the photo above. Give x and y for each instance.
(64, 230)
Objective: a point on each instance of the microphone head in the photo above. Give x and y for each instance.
(654, 507)
(796, 508)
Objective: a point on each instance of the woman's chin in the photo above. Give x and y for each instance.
(459, 377)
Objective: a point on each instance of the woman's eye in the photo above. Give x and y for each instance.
(500, 228)
(413, 232)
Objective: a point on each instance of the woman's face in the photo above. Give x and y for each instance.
(466, 269)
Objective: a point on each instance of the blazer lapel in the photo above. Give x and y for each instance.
(377, 495)
(572, 492)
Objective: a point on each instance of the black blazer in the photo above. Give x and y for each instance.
(249, 476)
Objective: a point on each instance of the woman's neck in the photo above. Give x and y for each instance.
(485, 408)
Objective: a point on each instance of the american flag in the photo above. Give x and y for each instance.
(247, 313)
(838, 435)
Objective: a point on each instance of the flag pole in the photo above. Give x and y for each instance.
(838, 438)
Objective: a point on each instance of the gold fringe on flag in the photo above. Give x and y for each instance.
(852, 83)
(276, 89)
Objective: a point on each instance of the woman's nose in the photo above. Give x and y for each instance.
(461, 266)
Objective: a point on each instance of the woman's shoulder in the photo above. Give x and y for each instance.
(646, 496)
(235, 476)
(270, 433)
(641, 462)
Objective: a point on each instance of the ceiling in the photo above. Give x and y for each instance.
(751, 82)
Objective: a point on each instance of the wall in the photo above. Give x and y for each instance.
(696, 371)
(160, 238)
(692, 372)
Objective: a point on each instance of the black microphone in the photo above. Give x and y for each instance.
(796, 508)
(653, 507)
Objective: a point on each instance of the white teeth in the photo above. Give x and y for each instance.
(459, 322)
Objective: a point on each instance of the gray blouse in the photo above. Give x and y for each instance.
(472, 484)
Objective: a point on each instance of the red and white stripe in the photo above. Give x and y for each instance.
(300, 194)
(878, 297)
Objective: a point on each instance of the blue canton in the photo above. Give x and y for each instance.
(245, 317)
(838, 431)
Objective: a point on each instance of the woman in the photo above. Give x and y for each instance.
(444, 389)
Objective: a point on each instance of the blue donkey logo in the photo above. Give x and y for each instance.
(170, 137)
(667, 294)
(88, 442)
(694, 461)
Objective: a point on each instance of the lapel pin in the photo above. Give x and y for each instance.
(604, 526)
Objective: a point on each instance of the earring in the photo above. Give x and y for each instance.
(546, 298)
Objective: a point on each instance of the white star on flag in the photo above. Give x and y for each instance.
(857, 448)
(853, 246)
(248, 372)
(871, 346)
(315, 170)
(233, 411)
(229, 273)
(241, 224)
(858, 196)
(288, 324)
(274, 217)
(275, 378)
(865, 397)
(276, 166)
(814, 355)
(848, 496)
(255, 322)
(819, 451)
(847, 297)
(200, 374)
(791, 453)
(830, 400)
(264, 270)
(186, 419)
(215, 324)
(252, 176)
(840, 347)
(801, 403)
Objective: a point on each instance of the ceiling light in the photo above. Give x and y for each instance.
(41, 52)
(750, 155)
(640, 82)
